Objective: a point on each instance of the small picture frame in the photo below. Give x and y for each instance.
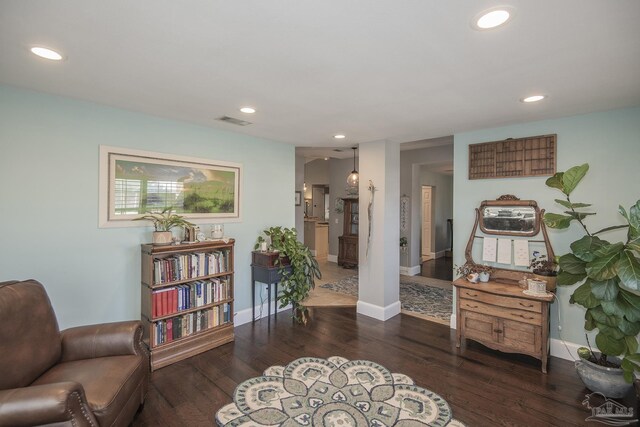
(298, 198)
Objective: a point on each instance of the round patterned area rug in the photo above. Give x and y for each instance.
(311, 391)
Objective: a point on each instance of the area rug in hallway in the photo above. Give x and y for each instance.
(311, 391)
(431, 302)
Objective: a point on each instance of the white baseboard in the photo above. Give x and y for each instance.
(244, 316)
(332, 258)
(410, 271)
(558, 349)
(439, 254)
(377, 312)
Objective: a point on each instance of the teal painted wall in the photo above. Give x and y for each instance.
(49, 150)
(608, 141)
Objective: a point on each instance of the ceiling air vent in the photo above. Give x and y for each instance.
(338, 150)
(233, 121)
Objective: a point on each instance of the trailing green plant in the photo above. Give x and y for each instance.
(609, 273)
(469, 267)
(543, 266)
(403, 242)
(298, 276)
(165, 220)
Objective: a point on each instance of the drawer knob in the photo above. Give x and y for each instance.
(526, 305)
(472, 295)
(497, 331)
(472, 306)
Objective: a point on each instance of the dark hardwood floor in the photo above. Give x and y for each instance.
(483, 387)
(439, 268)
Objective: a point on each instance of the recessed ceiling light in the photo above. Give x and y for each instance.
(339, 136)
(43, 52)
(248, 110)
(492, 18)
(533, 98)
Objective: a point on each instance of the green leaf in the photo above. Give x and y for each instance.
(555, 181)
(570, 205)
(612, 308)
(631, 313)
(579, 215)
(603, 267)
(611, 331)
(572, 264)
(632, 299)
(600, 316)
(609, 345)
(585, 247)
(629, 328)
(628, 269)
(568, 279)
(632, 344)
(633, 358)
(634, 215)
(585, 298)
(553, 220)
(623, 212)
(634, 245)
(614, 227)
(606, 290)
(589, 323)
(572, 177)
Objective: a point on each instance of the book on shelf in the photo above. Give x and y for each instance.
(189, 266)
(174, 328)
(170, 300)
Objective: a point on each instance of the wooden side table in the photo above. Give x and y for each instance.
(269, 276)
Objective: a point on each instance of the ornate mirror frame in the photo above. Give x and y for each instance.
(510, 216)
(509, 200)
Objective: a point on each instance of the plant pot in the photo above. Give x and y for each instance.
(162, 237)
(608, 381)
(484, 276)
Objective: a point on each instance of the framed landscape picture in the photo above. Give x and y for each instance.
(134, 182)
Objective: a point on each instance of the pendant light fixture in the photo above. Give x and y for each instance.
(352, 179)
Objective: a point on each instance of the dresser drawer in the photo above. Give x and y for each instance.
(499, 311)
(509, 302)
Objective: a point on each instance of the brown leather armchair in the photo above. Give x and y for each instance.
(94, 375)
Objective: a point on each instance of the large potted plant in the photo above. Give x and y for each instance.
(163, 222)
(298, 275)
(609, 274)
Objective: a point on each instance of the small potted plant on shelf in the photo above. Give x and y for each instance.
(298, 275)
(609, 278)
(474, 272)
(403, 244)
(163, 222)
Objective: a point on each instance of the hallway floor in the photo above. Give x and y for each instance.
(439, 268)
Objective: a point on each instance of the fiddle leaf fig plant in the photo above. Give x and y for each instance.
(609, 274)
(298, 276)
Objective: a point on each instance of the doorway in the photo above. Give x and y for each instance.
(427, 223)
(319, 197)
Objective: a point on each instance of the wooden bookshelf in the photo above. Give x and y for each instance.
(197, 283)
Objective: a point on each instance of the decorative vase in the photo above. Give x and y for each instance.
(608, 381)
(484, 276)
(162, 237)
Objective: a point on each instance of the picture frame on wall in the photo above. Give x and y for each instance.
(134, 182)
(298, 198)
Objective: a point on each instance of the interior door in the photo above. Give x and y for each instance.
(426, 222)
(318, 202)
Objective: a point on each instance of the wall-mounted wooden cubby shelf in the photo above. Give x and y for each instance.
(530, 156)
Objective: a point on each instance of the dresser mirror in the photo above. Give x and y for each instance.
(508, 216)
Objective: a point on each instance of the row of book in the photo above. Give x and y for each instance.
(189, 266)
(173, 299)
(188, 324)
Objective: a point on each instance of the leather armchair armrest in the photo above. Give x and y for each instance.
(103, 340)
(62, 402)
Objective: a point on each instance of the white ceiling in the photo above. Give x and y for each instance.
(404, 70)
